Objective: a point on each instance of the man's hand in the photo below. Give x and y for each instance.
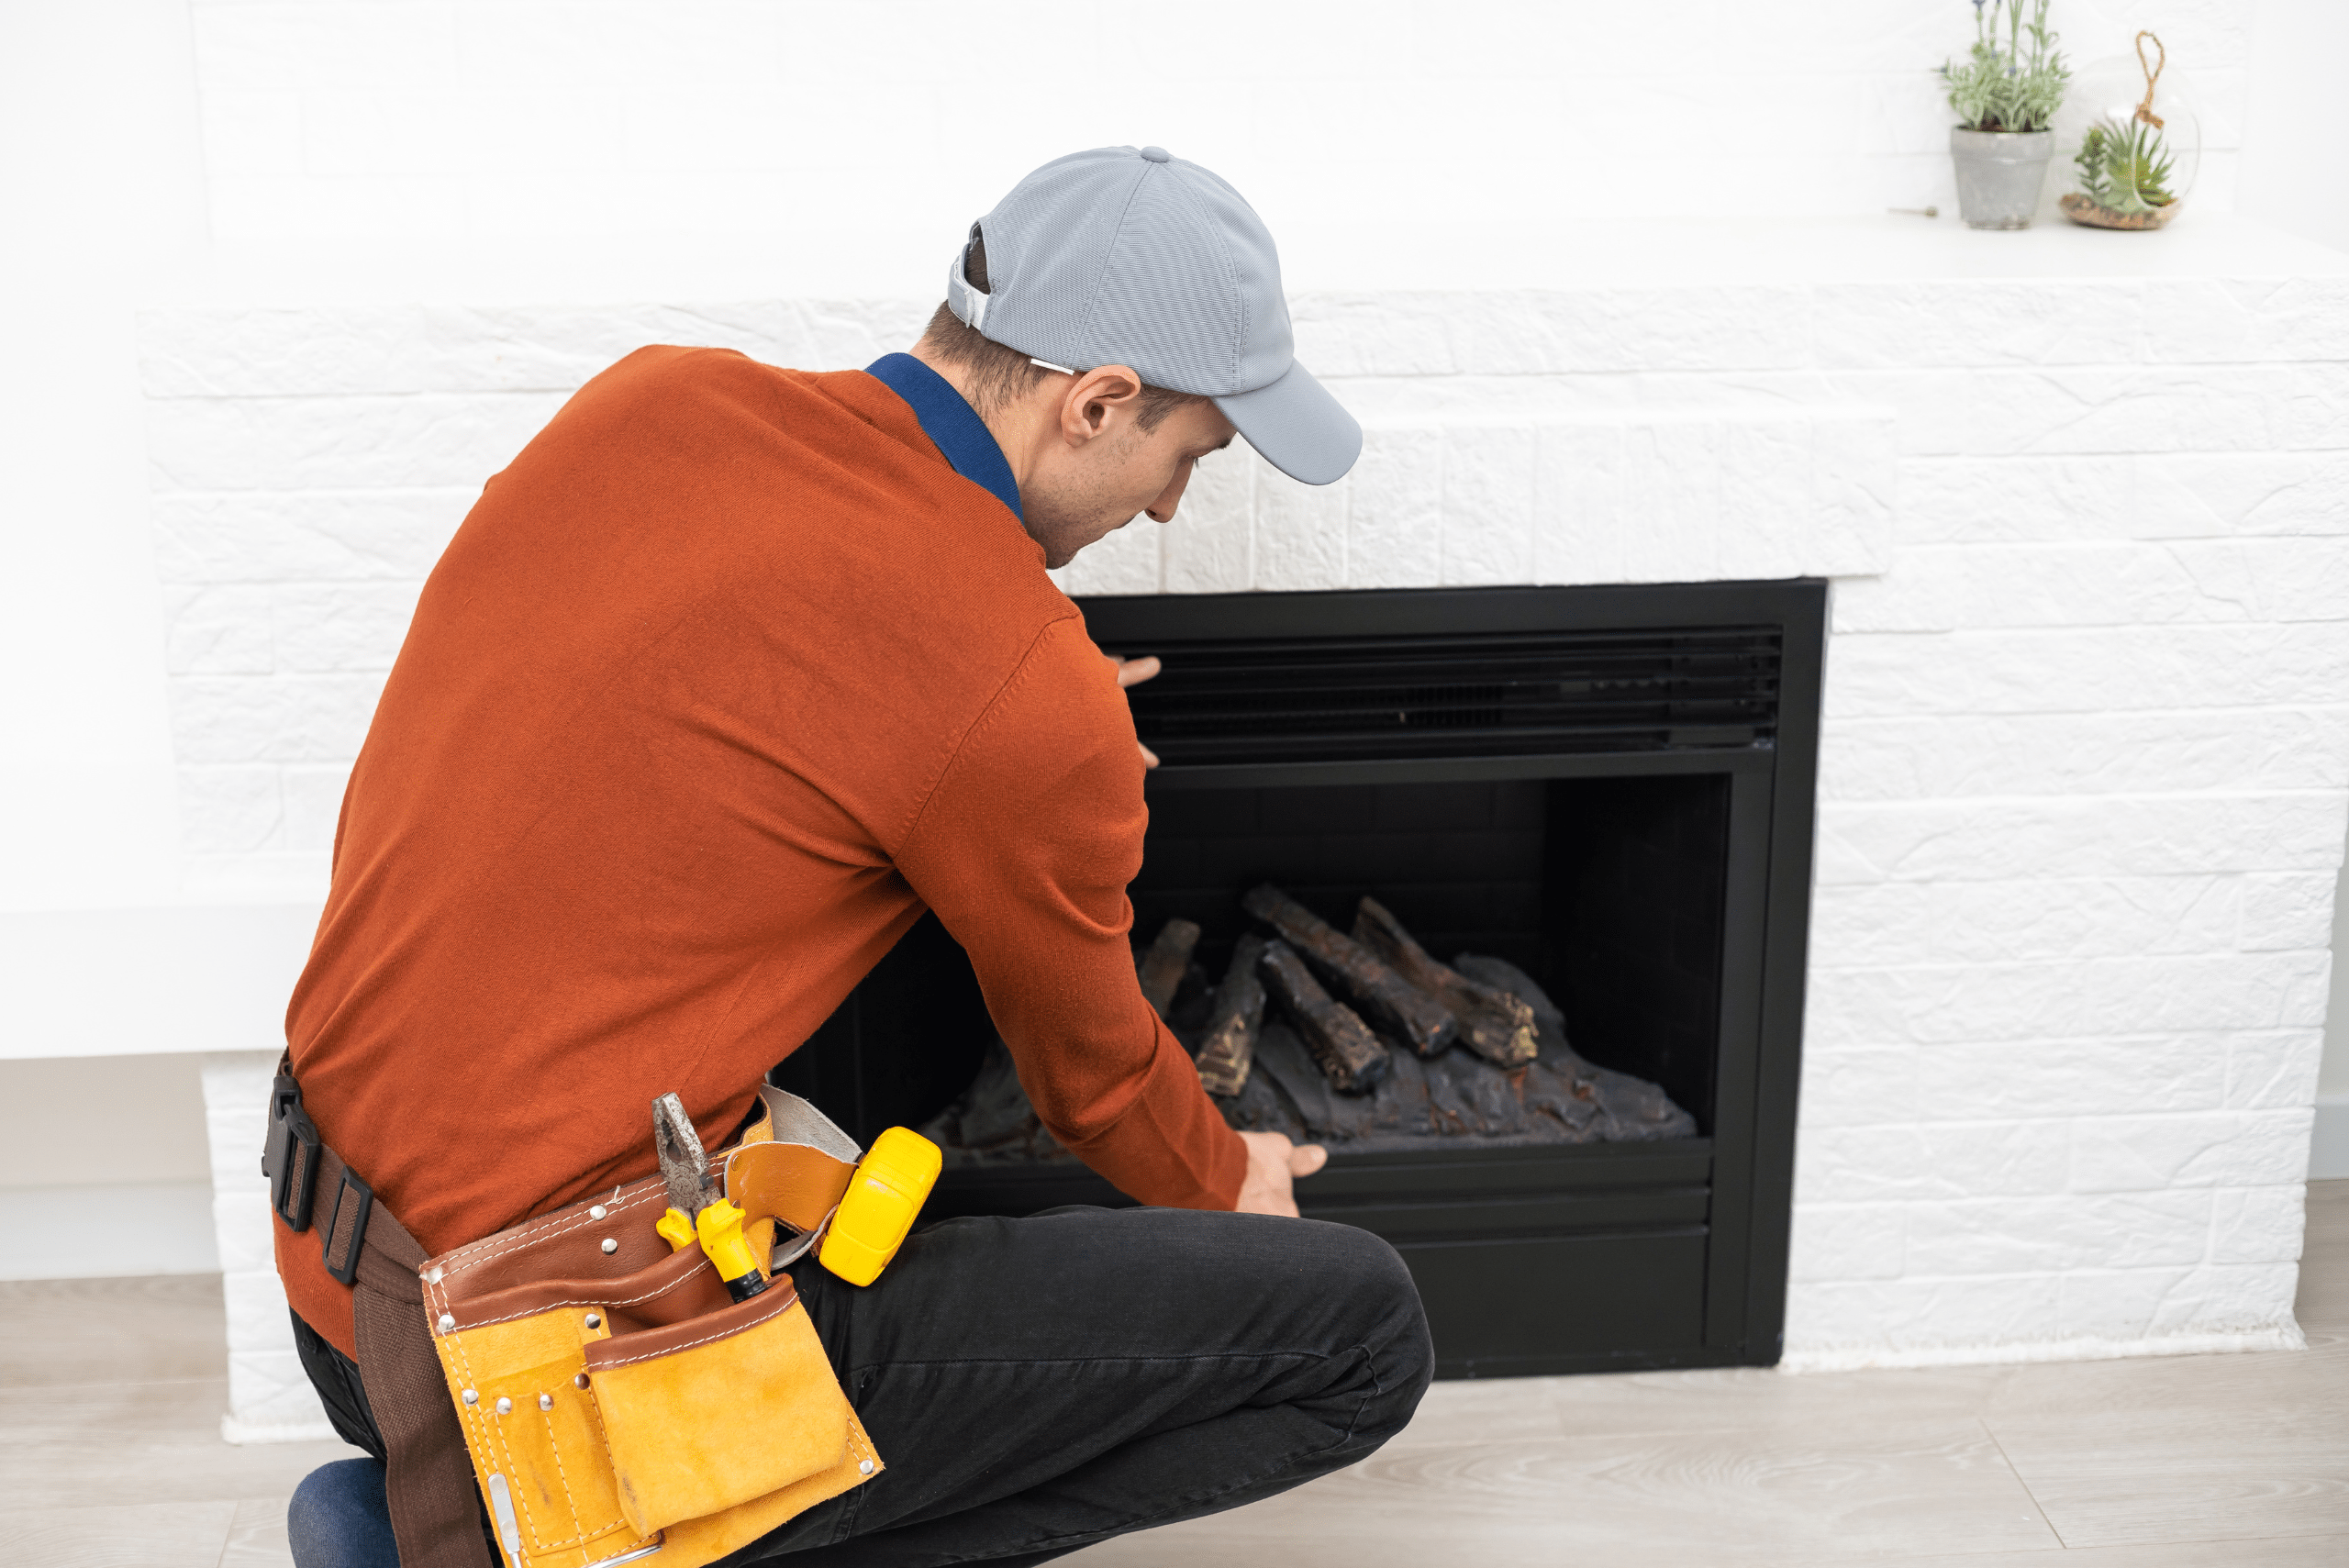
(1273, 1164)
(1133, 673)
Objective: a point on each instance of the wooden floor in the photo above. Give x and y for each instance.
(110, 1454)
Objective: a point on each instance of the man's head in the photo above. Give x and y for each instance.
(1115, 318)
(1091, 450)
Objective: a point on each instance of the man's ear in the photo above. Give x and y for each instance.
(1101, 399)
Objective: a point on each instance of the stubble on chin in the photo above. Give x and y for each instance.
(1076, 509)
(1064, 536)
(1061, 546)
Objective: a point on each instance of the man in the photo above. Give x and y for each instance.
(732, 674)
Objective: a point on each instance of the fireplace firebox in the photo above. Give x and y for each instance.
(1608, 788)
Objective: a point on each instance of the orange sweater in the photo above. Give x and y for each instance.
(720, 684)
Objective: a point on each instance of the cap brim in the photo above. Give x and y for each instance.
(1297, 426)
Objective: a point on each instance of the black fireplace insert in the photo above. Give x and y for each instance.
(1608, 790)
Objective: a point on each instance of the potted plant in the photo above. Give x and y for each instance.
(2124, 174)
(2005, 95)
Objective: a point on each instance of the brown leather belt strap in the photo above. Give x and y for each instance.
(429, 1476)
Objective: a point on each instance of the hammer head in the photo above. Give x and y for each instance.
(684, 1166)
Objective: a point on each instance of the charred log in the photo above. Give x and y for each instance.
(1494, 1023)
(1378, 993)
(1285, 1064)
(1160, 968)
(1263, 1106)
(1351, 1057)
(1229, 1045)
(1625, 1109)
(1558, 1097)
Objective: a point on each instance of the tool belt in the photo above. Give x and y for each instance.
(610, 1399)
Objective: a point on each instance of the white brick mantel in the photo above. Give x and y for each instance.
(2085, 498)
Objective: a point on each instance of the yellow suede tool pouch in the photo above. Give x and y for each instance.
(718, 1411)
(617, 1404)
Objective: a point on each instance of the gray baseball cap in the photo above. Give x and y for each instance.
(1128, 256)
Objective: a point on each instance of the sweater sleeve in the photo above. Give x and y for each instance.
(1024, 849)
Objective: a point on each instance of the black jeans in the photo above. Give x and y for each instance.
(1035, 1385)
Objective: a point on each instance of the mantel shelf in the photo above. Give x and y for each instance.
(890, 264)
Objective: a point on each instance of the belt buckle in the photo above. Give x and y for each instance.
(354, 1202)
(290, 1156)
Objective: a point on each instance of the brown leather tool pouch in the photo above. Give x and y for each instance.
(617, 1403)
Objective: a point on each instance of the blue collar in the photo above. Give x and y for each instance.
(960, 435)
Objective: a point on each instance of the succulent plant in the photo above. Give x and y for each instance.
(2004, 88)
(2124, 166)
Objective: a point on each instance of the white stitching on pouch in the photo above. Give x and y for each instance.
(592, 1300)
(689, 1344)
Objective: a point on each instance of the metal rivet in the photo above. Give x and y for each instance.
(610, 1246)
(579, 1382)
(447, 1322)
(596, 1211)
(470, 1398)
(864, 1467)
(594, 1320)
(505, 1407)
(546, 1401)
(432, 1275)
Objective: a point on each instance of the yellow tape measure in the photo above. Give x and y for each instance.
(880, 1205)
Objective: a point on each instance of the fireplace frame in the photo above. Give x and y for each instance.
(1690, 1234)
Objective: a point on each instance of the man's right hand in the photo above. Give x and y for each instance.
(1274, 1162)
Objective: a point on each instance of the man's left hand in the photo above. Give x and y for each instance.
(1133, 673)
(1274, 1162)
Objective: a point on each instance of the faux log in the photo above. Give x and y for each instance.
(1162, 967)
(1558, 1097)
(1262, 1107)
(1627, 1110)
(1351, 1057)
(1286, 1065)
(1384, 998)
(1229, 1044)
(1495, 1024)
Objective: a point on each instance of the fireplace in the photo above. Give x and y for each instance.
(1608, 790)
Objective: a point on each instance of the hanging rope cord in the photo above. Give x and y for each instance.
(2153, 74)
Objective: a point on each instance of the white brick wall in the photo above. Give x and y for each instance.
(2087, 736)
(309, 465)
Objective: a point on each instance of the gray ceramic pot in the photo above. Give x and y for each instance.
(1998, 175)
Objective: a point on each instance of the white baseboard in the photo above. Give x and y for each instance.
(2329, 1145)
(2285, 1337)
(162, 1228)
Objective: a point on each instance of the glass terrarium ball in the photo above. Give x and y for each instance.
(2114, 168)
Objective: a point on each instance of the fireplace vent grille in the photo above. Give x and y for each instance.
(1700, 688)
